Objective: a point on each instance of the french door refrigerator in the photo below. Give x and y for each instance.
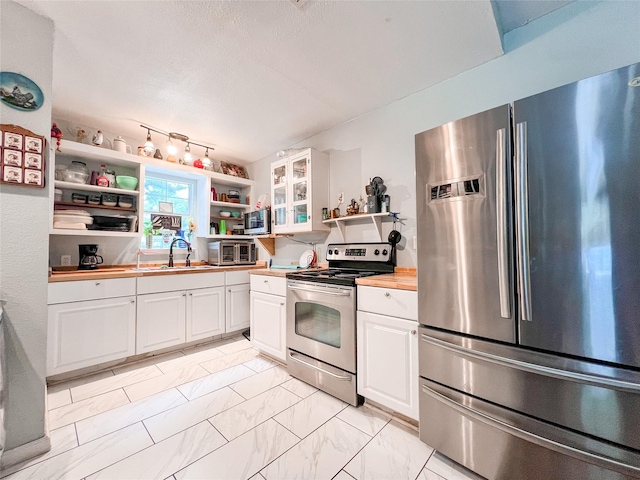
(529, 284)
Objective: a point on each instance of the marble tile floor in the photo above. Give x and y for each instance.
(221, 411)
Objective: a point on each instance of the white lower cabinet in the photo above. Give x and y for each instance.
(268, 324)
(237, 315)
(85, 333)
(205, 313)
(161, 320)
(388, 362)
(269, 315)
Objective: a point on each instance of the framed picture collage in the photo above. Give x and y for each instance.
(22, 159)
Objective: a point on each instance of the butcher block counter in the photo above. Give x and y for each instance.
(402, 279)
(282, 272)
(60, 274)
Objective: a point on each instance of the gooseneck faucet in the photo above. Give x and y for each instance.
(187, 260)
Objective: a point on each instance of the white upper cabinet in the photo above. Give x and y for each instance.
(299, 191)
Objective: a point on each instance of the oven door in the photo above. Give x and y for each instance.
(321, 322)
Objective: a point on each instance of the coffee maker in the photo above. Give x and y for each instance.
(89, 260)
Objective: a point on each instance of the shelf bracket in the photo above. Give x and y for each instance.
(269, 244)
(341, 228)
(377, 223)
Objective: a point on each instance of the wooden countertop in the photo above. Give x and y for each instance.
(126, 271)
(282, 272)
(401, 280)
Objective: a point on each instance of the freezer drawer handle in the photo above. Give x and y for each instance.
(522, 215)
(339, 377)
(530, 437)
(537, 369)
(341, 293)
(501, 224)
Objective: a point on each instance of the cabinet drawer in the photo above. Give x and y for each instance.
(170, 283)
(63, 292)
(268, 284)
(388, 301)
(237, 277)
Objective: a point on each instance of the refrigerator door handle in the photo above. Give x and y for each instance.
(522, 221)
(582, 378)
(482, 417)
(501, 224)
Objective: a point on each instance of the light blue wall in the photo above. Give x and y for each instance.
(24, 234)
(575, 42)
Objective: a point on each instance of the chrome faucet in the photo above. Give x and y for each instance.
(187, 260)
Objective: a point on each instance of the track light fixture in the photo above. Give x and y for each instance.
(172, 150)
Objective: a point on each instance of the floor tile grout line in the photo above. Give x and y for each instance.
(90, 416)
(141, 420)
(210, 423)
(361, 449)
(360, 430)
(125, 392)
(306, 436)
(347, 473)
(124, 458)
(425, 464)
(117, 388)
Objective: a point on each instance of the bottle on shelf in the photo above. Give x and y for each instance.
(102, 180)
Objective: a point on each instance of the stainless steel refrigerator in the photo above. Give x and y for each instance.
(529, 284)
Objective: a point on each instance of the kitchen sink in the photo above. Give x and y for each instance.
(165, 268)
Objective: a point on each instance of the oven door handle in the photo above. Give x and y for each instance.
(341, 293)
(339, 377)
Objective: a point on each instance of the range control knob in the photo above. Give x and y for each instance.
(384, 252)
(330, 252)
(376, 252)
(336, 251)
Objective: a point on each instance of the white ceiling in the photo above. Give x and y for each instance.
(254, 77)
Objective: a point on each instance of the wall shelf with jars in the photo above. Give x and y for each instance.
(79, 206)
(224, 206)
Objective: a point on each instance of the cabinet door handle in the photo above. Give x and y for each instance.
(281, 304)
(387, 294)
(413, 332)
(133, 301)
(97, 283)
(266, 281)
(191, 294)
(184, 294)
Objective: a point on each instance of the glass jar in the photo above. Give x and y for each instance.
(76, 173)
(111, 175)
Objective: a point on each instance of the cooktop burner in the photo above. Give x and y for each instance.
(350, 261)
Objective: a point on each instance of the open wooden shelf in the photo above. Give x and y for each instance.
(375, 218)
(88, 205)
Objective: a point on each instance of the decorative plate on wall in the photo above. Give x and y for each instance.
(20, 92)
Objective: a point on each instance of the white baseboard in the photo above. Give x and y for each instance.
(25, 452)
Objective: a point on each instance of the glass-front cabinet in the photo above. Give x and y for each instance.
(279, 192)
(299, 189)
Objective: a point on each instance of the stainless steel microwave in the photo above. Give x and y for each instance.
(230, 252)
(257, 222)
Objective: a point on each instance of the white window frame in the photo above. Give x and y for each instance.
(193, 184)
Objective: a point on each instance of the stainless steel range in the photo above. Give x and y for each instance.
(321, 317)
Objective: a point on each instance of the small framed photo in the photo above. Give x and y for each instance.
(12, 174)
(33, 144)
(13, 140)
(33, 160)
(12, 158)
(165, 207)
(33, 177)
